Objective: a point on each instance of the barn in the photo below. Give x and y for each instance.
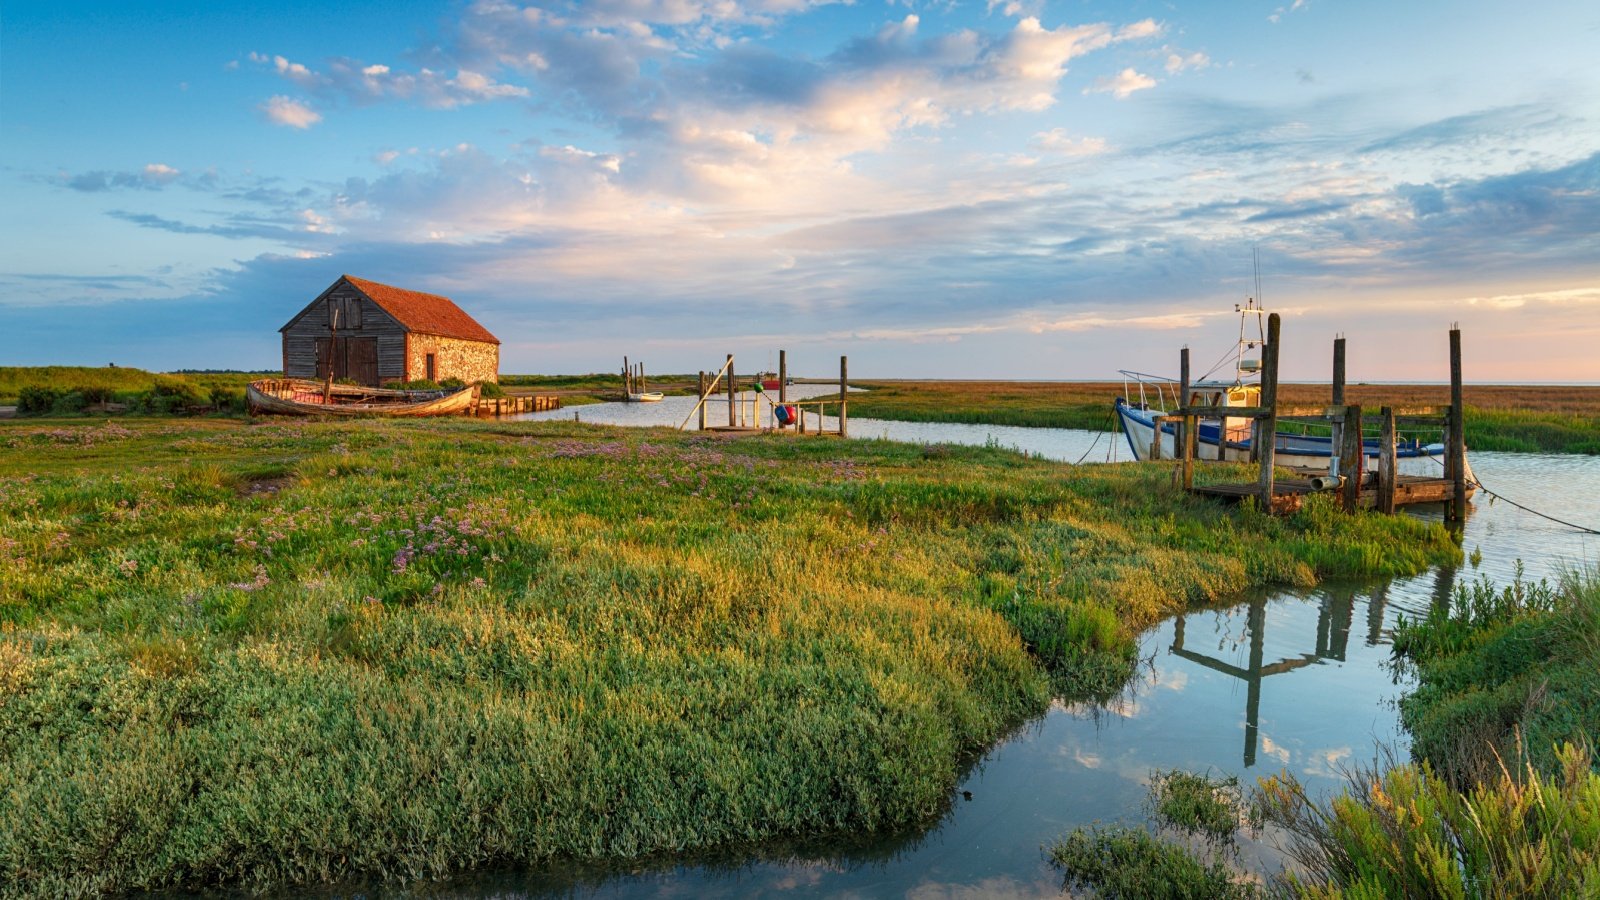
(376, 334)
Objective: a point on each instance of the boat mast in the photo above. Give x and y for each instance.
(1244, 364)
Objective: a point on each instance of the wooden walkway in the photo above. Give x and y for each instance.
(515, 404)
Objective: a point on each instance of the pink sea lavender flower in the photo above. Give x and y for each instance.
(129, 566)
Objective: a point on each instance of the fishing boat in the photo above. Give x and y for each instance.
(645, 396)
(298, 397)
(1148, 397)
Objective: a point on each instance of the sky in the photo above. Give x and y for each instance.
(980, 189)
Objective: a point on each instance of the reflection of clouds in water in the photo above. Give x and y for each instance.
(1277, 751)
(1175, 680)
(1333, 762)
(998, 886)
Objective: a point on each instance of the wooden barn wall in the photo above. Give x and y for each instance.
(300, 339)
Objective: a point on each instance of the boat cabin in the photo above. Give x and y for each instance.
(1219, 393)
(376, 334)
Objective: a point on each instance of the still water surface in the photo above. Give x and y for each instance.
(1294, 680)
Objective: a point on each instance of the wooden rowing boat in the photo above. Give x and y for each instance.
(297, 397)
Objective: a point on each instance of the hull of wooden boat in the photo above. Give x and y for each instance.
(288, 397)
(645, 397)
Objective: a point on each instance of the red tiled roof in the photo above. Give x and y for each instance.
(424, 313)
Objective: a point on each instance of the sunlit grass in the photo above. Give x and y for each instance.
(290, 652)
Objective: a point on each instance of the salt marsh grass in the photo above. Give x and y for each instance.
(284, 653)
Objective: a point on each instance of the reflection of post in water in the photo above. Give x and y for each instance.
(1444, 587)
(1375, 608)
(1333, 636)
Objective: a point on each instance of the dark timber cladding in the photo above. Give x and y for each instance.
(374, 333)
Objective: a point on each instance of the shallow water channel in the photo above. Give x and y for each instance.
(1294, 680)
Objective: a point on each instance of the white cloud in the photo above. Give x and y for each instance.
(351, 81)
(1056, 140)
(160, 173)
(1280, 12)
(1122, 85)
(281, 110)
(1177, 62)
(1147, 28)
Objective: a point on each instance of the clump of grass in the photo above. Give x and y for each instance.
(1203, 805)
(1496, 665)
(1121, 862)
(1408, 832)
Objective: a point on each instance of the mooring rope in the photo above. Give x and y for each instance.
(1109, 420)
(1528, 509)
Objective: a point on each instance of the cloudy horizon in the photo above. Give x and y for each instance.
(1006, 189)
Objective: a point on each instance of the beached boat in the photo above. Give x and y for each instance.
(298, 397)
(1148, 397)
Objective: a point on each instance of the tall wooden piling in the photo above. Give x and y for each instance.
(1267, 433)
(702, 404)
(1338, 371)
(1183, 400)
(733, 396)
(783, 377)
(1386, 463)
(1336, 438)
(627, 377)
(844, 405)
(1456, 450)
(1350, 457)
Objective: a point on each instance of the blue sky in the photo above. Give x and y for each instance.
(1001, 189)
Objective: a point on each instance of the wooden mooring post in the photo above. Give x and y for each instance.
(701, 406)
(844, 404)
(733, 395)
(1351, 457)
(1267, 428)
(1456, 445)
(1180, 437)
(783, 377)
(1386, 462)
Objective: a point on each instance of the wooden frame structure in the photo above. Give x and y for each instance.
(744, 414)
(1384, 491)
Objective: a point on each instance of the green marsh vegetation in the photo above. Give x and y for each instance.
(284, 653)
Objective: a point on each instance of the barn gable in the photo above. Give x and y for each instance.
(387, 334)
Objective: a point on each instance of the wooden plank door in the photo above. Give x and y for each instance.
(361, 360)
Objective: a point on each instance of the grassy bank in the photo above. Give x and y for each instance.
(1517, 664)
(1527, 419)
(290, 652)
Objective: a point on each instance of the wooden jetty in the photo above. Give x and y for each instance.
(746, 415)
(515, 404)
(1384, 490)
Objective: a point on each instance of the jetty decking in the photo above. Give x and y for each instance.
(1289, 493)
